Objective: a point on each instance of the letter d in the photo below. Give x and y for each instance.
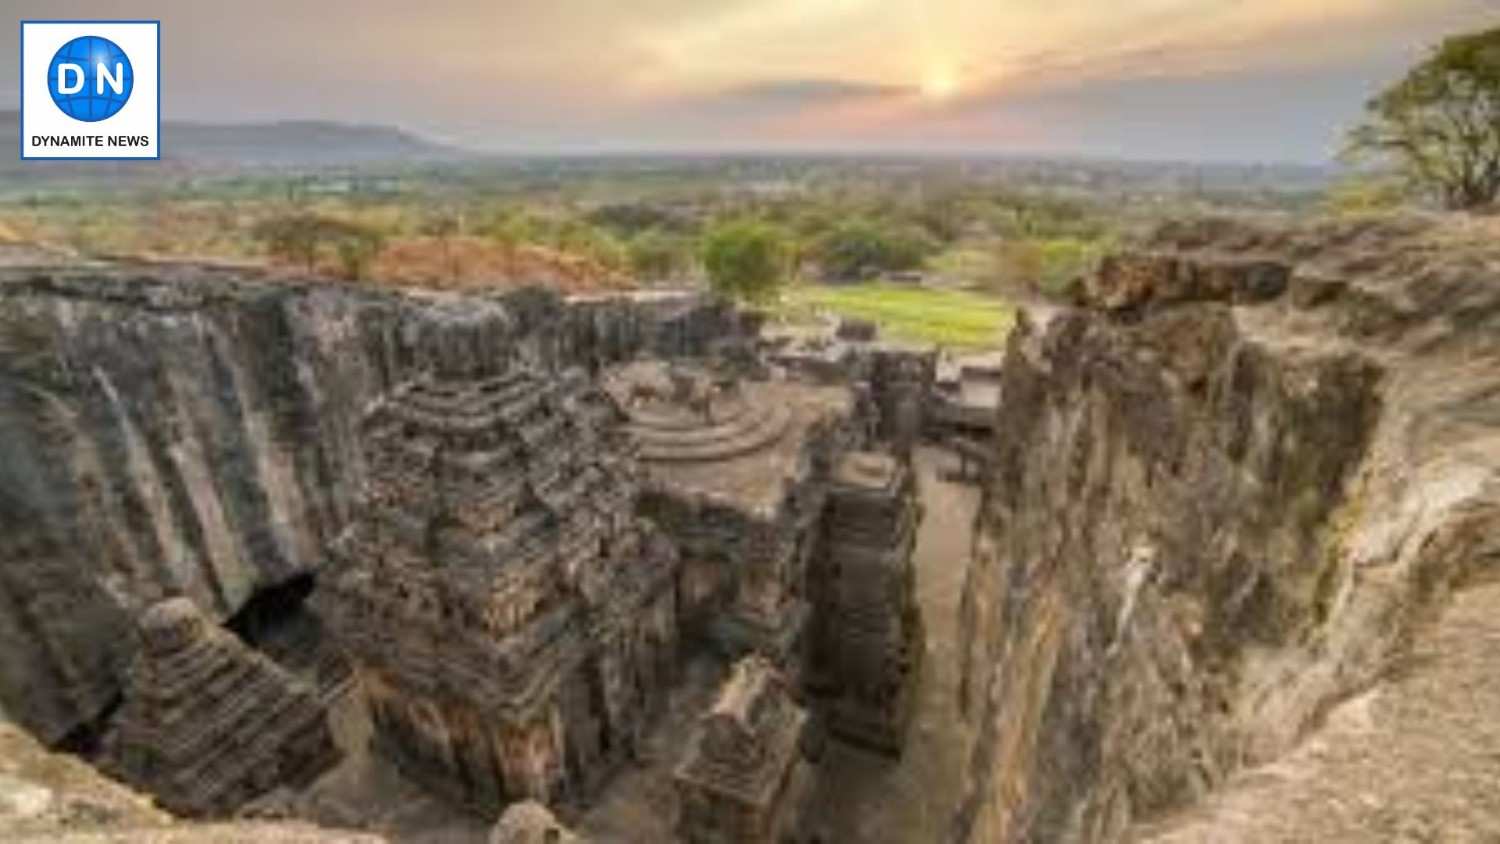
(63, 85)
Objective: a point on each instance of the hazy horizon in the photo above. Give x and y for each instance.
(1161, 80)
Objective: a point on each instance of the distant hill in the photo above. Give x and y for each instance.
(299, 143)
(283, 144)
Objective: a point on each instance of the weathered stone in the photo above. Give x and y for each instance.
(57, 798)
(512, 623)
(743, 778)
(196, 431)
(1212, 513)
(857, 330)
(529, 822)
(867, 639)
(208, 724)
(741, 493)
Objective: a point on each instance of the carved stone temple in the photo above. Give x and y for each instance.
(538, 552)
(743, 778)
(209, 724)
(511, 621)
(740, 487)
(867, 643)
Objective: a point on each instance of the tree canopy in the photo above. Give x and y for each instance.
(1440, 125)
(300, 237)
(746, 259)
(861, 248)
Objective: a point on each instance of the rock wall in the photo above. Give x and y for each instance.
(56, 798)
(193, 431)
(1224, 490)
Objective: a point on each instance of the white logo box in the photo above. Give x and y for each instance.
(104, 139)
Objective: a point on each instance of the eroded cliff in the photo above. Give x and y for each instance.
(1226, 488)
(192, 431)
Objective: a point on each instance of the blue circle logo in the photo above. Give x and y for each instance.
(90, 78)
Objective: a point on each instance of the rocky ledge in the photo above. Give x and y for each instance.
(1228, 487)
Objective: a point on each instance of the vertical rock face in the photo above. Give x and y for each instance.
(1221, 493)
(194, 432)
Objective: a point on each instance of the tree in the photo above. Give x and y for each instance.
(511, 229)
(302, 238)
(656, 256)
(1439, 127)
(444, 226)
(578, 237)
(357, 246)
(746, 259)
(291, 237)
(860, 248)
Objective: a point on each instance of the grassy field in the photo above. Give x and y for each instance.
(953, 318)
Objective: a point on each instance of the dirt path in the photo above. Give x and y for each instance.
(1414, 760)
(867, 798)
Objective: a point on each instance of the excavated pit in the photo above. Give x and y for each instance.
(1228, 499)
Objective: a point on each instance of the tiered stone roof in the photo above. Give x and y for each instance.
(869, 635)
(499, 528)
(745, 748)
(208, 723)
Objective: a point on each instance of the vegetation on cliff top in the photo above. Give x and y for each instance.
(1439, 126)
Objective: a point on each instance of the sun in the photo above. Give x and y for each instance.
(939, 84)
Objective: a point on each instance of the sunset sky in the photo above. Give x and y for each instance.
(1255, 80)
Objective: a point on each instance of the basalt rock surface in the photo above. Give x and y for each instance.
(1225, 490)
(511, 622)
(743, 777)
(209, 724)
(195, 431)
(56, 798)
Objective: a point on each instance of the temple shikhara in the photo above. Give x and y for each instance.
(512, 621)
(537, 553)
(645, 546)
(744, 776)
(209, 724)
(868, 642)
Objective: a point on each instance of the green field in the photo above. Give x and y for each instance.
(954, 318)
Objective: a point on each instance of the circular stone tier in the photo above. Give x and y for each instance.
(735, 423)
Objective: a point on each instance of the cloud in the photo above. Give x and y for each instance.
(772, 73)
(809, 92)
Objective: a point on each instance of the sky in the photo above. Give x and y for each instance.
(1209, 80)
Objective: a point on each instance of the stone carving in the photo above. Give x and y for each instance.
(209, 724)
(741, 493)
(901, 385)
(511, 622)
(194, 430)
(857, 330)
(529, 822)
(868, 634)
(743, 778)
